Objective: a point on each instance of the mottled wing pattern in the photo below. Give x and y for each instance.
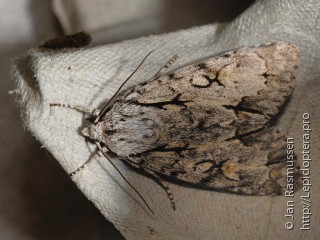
(207, 123)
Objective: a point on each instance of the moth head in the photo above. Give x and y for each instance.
(92, 131)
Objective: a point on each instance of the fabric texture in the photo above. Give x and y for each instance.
(89, 77)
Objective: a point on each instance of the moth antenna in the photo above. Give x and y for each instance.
(166, 66)
(106, 156)
(94, 112)
(95, 157)
(158, 180)
(105, 107)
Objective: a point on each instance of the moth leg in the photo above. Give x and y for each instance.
(158, 180)
(95, 157)
(163, 185)
(166, 66)
(94, 112)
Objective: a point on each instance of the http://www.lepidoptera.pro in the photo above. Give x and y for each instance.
(208, 124)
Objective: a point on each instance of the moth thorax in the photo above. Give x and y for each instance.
(92, 131)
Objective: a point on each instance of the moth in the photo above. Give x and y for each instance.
(209, 124)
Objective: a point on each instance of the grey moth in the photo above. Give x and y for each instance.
(207, 125)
